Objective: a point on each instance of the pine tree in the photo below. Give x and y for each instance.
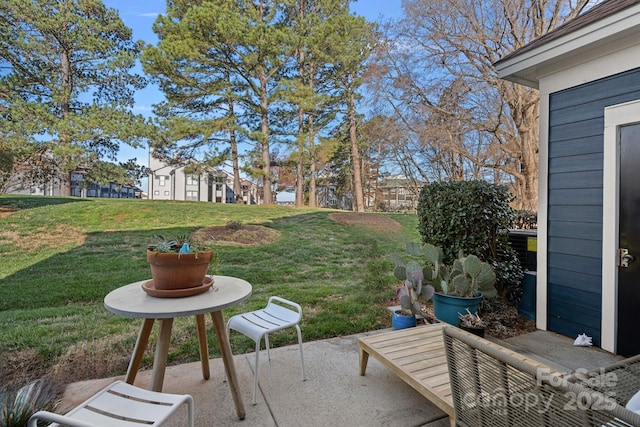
(326, 32)
(351, 59)
(67, 92)
(218, 62)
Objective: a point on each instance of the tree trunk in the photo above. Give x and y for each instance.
(300, 162)
(65, 164)
(358, 205)
(313, 193)
(377, 197)
(267, 195)
(237, 187)
(301, 138)
(525, 112)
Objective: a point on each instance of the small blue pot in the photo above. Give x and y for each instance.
(400, 321)
(447, 307)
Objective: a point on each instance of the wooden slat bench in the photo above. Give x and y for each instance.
(417, 356)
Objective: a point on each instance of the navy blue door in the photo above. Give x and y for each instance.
(628, 338)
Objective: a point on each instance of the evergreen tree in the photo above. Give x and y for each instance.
(219, 64)
(66, 91)
(199, 114)
(351, 60)
(326, 34)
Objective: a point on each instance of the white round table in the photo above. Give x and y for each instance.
(132, 301)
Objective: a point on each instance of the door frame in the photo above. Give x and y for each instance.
(615, 116)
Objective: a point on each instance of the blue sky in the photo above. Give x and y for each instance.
(140, 15)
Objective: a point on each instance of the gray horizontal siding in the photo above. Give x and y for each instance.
(569, 148)
(576, 281)
(578, 163)
(568, 213)
(576, 197)
(584, 264)
(571, 312)
(576, 179)
(613, 86)
(577, 131)
(577, 246)
(569, 229)
(574, 252)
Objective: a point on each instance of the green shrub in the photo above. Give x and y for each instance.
(472, 217)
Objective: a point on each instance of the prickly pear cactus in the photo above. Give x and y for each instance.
(412, 275)
(486, 281)
(433, 254)
(478, 276)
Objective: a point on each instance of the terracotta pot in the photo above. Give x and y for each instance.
(178, 271)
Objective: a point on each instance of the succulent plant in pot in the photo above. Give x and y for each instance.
(179, 262)
(471, 322)
(412, 292)
(458, 286)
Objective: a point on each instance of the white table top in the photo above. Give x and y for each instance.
(132, 301)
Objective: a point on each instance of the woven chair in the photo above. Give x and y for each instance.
(620, 380)
(492, 388)
(120, 405)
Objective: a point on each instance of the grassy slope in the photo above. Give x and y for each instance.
(61, 256)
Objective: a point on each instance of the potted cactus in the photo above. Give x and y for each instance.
(412, 292)
(460, 286)
(179, 263)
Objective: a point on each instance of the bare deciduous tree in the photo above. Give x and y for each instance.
(436, 71)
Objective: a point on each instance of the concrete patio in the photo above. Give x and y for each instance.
(334, 393)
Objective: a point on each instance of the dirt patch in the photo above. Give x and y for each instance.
(237, 234)
(371, 220)
(56, 237)
(20, 368)
(505, 322)
(91, 360)
(6, 211)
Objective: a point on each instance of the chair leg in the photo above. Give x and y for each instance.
(192, 414)
(255, 371)
(301, 356)
(266, 343)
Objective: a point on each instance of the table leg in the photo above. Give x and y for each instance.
(138, 350)
(204, 349)
(162, 351)
(364, 358)
(227, 358)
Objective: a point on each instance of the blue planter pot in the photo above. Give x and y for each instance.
(447, 307)
(400, 321)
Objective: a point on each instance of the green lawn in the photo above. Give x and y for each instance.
(61, 256)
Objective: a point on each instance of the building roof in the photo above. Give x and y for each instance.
(604, 28)
(596, 13)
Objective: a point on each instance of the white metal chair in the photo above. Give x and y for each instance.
(259, 323)
(120, 405)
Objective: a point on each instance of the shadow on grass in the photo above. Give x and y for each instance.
(19, 202)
